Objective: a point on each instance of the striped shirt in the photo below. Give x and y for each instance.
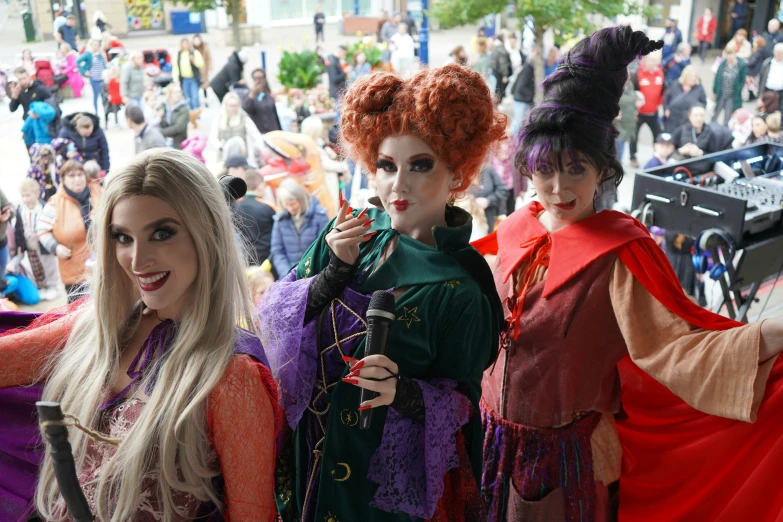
(44, 227)
(97, 68)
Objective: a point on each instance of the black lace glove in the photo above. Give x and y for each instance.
(327, 285)
(408, 399)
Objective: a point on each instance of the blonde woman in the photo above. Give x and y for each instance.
(200, 408)
(683, 94)
(774, 135)
(231, 122)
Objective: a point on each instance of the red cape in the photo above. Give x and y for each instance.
(678, 463)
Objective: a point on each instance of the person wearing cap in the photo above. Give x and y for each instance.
(597, 323)
(663, 149)
(236, 165)
(230, 74)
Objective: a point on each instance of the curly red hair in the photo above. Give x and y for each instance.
(450, 108)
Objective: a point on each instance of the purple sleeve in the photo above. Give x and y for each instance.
(285, 338)
(412, 459)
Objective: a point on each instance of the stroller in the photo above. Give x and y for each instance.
(157, 65)
(44, 72)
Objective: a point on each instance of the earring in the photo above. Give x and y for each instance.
(450, 201)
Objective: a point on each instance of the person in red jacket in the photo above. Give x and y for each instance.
(115, 96)
(650, 84)
(705, 32)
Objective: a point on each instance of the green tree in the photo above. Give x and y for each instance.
(565, 17)
(232, 9)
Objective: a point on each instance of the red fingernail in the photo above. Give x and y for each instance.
(349, 359)
(350, 381)
(352, 374)
(341, 199)
(370, 222)
(357, 366)
(370, 234)
(362, 408)
(350, 210)
(363, 212)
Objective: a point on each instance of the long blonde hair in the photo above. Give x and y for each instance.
(227, 120)
(171, 434)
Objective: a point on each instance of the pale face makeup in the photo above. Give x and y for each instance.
(156, 252)
(414, 185)
(567, 196)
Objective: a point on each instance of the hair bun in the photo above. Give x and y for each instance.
(373, 93)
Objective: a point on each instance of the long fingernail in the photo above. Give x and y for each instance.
(352, 374)
(349, 359)
(350, 381)
(363, 212)
(362, 408)
(341, 199)
(370, 222)
(370, 234)
(350, 210)
(357, 366)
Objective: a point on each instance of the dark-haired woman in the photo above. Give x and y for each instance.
(596, 317)
(420, 459)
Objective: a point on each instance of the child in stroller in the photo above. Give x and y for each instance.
(158, 67)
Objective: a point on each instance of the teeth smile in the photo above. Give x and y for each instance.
(150, 280)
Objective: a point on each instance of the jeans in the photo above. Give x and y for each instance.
(703, 48)
(620, 147)
(725, 104)
(651, 120)
(96, 85)
(135, 101)
(190, 88)
(521, 109)
(3, 263)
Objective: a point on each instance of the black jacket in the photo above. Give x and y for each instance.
(36, 92)
(493, 188)
(771, 40)
(177, 128)
(94, 146)
(524, 88)
(712, 137)
(229, 74)
(263, 113)
(256, 220)
(679, 103)
(337, 76)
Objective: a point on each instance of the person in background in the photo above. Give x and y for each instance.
(150, 105)
(6, 213)
(43, 170)
(299, 221)
(625, 123)
(728, 83)
(36, 128)
(43, 262)
(501, 67)
(663, 148)
(259, 280)
(28, 62)
(755, 63)
(59, 21)
(458, 56)
(705, 32)
(66, 33)
(672, 38)
(523, 91)
(744, 48)
(101, 25)
(319, 20)
(64, 224)
(768, 102)
(260, 104)
(771, 75)
(334, 69)
(403, 58)
(84, 131)
(677, 62)
(95, 177)
(65, 66)
(115, 96)
(132, 82)
(516, 55)
(92, 64)
(201, 46)
(695, 138)
(186, 71)
(174, 116)
(759, 130)
(334, 169)
(145, 137)
(491, 195)
(772, 37)
(361, 67)
(232, 122)
(741, 126)
(483, 64)
(408, 20)
(650, 84)
(256, 218)
(774, 135)
(551, 60)
(681, 96)
(299, 105)
(388, 29)
(739, 15)
(25, 91)
(231, 73)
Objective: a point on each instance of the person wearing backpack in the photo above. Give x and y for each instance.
(186, 70)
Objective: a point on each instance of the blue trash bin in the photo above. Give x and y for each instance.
(185, 22)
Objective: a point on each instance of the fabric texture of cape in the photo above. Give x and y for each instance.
(678, 463)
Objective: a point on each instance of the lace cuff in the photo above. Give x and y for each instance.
(408, 400)
(412, 459)
(327, 285)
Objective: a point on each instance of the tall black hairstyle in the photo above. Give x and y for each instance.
(581, 101)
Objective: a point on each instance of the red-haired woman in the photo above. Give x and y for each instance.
(425, 138)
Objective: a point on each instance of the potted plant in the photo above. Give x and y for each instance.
(299, 70)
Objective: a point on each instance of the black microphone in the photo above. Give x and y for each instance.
(62, 460)
(233, 187)
(380, 316)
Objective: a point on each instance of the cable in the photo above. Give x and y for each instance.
(769, 295)
(688, 172)
(706, 177)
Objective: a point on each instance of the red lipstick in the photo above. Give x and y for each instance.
(400, 205)
(153, 281)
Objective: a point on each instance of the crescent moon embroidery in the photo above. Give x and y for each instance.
(347, 472)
